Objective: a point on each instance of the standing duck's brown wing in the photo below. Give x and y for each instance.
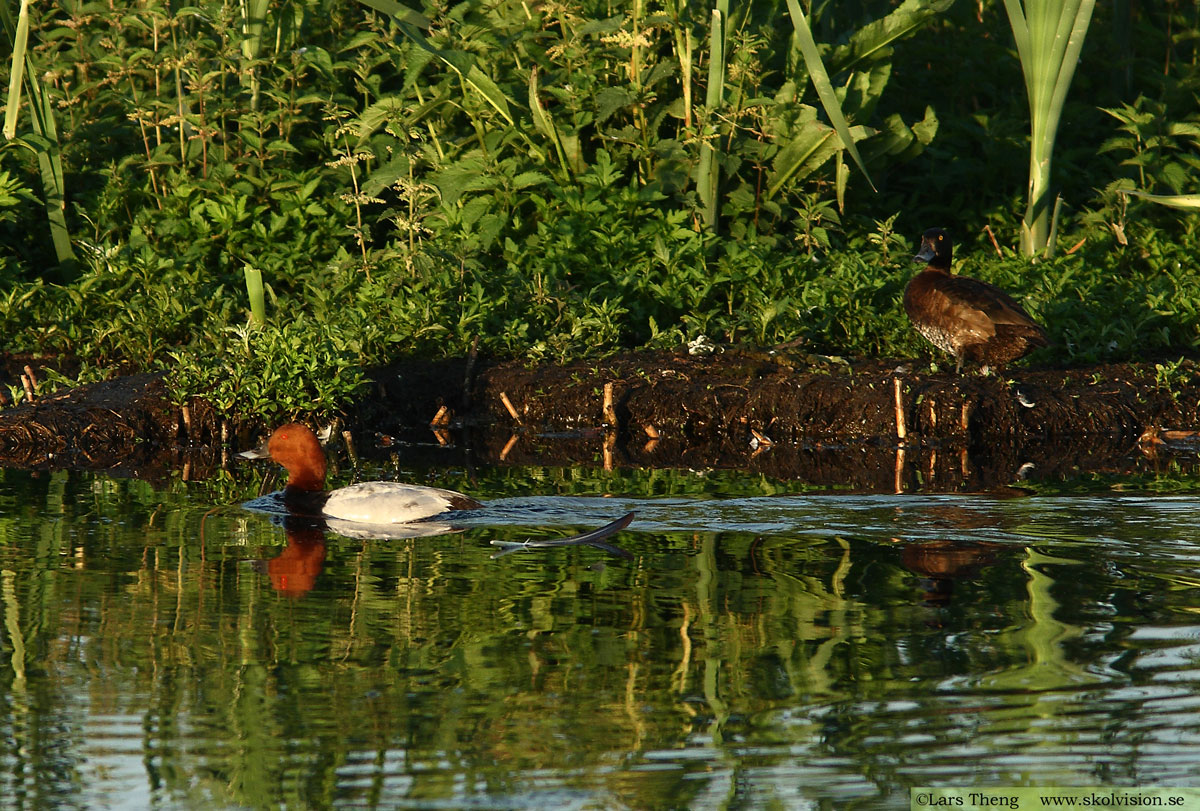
(987, 300)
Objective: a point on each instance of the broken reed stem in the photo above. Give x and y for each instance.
(901, 430)
(224, 432)
(349, 440)
(964, 421)
(185, 414)
(32, 377)
(441, 419)
(651, 431)
(610, 411)
(508, 446)
(992, 237)
(28, 388)
(610, 447)
(899, 469)
(512, 411)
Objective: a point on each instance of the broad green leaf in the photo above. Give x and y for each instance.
(399, 11)
(874, 40)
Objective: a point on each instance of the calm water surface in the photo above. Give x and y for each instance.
(160, 646)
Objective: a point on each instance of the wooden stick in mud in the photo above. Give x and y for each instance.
(901, 430)
(32, 377)
(511, 409)
(28, 388)
(185, 414)
(610, 411)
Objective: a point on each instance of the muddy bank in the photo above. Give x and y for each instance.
(872, 426)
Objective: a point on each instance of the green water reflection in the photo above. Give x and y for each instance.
(760, 649)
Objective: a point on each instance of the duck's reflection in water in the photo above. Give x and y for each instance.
(295, 570)
(942, 563)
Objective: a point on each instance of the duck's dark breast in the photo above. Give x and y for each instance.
(305, 502)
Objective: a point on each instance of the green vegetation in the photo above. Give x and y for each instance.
(567, 178)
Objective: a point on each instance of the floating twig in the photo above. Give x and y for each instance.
(592, 538)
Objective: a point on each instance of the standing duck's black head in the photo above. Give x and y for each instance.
(936, 249)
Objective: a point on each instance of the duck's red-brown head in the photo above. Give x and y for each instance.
(296, 448)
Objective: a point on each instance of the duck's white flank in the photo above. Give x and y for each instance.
(388, 502)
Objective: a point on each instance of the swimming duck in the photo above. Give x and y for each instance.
(968, 318)
(373, 503)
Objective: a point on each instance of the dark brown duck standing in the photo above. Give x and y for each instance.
(970, 319)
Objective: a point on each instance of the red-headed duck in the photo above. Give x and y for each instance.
(369, 503)
(970, 319)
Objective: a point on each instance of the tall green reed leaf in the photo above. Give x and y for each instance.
(1049, 35)
(545, 123)
(17, 71)
(44, 141)
(823, 85)
(254, 17)
(708, 174)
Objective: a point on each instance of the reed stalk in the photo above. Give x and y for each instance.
(1049, 35)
